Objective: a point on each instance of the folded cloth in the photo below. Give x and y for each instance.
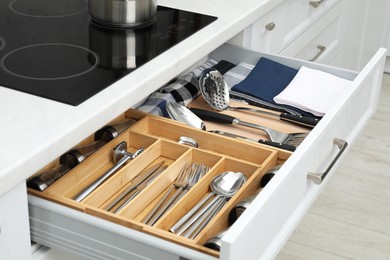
(237, 74)
(267, 79)
(240, 72)
(313, 91)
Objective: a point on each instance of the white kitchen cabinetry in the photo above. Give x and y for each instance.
(276, 210)
(375, 26)
(343, 33)
(295, 28)
(322, 41)
(364, 30)
(14, 227)
(284, 24)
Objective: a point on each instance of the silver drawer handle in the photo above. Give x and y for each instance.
(270, 26)
(317, 178)
(321, 50)
(315, 4)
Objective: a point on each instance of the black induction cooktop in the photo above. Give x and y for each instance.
(52, 49)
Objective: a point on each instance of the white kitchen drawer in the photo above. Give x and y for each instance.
(322, 42)
(14, 236)
(265, 225)
(286, 22)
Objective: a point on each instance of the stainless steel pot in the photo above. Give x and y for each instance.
(122, 48)
(128, 13)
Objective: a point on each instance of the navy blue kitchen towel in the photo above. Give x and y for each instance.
(267, 79)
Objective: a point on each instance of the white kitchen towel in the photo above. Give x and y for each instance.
(313, 91)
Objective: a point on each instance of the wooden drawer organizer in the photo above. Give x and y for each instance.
(159, 139)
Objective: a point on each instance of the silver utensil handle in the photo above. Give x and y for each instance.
(195, 216)
(101, 179)
(176, 196)
(267, 130)
(112, 204)
(135, 193)
(175, 228)
(204, 219)
(147, 219)
(216, 209)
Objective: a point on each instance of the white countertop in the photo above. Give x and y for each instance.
(35, 131)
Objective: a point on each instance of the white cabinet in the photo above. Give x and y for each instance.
(334, 33)
(343, 33)
(364, 30)
(374, 29)
(275, 211)
(284, 24)
(14, 226)
(322, 42)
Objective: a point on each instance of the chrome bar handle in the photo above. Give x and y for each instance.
(315, 4)
(317, 178)
(321, 50)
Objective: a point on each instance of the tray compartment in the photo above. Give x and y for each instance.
(157, 152)
(68, 186)
(163, 184)
(203, 188)
(87, 173)
(171, 130)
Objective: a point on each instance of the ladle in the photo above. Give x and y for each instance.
(215, 91)
(222, 186)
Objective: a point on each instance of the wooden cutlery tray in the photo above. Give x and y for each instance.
(159, 139)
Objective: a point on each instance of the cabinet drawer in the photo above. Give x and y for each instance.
(263, 227)
(284, 24)
(321, 42)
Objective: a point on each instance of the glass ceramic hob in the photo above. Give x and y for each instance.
(52, 49)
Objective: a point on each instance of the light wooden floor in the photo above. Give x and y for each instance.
(351, 217)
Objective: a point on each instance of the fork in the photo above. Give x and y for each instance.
(294, 139)
(186, 179)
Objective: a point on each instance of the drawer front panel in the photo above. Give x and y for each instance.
(321, 42)
(284, 24)
(282, 203)
(58, 227)
(264, 226)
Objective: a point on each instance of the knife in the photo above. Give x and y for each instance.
(261, 141)
(143, 176)
(307, 121)
(139, 188)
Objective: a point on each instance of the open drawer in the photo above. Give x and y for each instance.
(85, 229)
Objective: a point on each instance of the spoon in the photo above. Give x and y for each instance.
(222, 186)
(215, 91)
